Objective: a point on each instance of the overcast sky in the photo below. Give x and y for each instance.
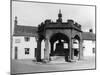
(32, 14)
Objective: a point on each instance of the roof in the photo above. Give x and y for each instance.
(21, 30)
(88, 36)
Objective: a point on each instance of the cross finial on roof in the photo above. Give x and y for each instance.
(59, 16)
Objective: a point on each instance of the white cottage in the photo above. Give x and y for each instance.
(23, 47)
(24, 42)
(88, 43)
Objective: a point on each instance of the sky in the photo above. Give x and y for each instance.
(32, 13)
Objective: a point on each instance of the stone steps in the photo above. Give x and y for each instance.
(57, 58)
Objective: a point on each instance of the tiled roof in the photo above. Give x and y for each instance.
(88, 36)
(21, 30)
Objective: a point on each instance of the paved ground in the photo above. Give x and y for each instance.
(26, 66)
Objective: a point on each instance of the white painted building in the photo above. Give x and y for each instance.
(89, 43)
(23, 47)
(24, 41)
(89, 48)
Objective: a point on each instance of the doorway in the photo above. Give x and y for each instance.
(59, 46)
(16, 52)
(76, 42)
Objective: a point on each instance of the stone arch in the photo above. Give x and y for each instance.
(77, 37)
(62, 38)
(58, 35)
(76, 47)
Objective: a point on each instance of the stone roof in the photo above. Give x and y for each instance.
(88, 36)
(21, 30)
(62, 25)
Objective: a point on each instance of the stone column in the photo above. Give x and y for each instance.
(47, 50)
(42, 49)
(51, 53)
(38, 51)
(80, 50)
(70, 49)
(72, 54)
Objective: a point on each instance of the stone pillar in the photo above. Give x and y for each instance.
(47, 50)
(42, 49)
(80, 50)
(38, 51)
(51, 53)
(70, 49)
(72, 54)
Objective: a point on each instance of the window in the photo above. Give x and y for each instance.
(27, 50)
(27, 38)
(83, 47)
(93, 50)
(17, 40)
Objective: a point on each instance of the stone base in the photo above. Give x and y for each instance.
(45, 61)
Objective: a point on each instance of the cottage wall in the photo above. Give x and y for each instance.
(88, 46)
(21, 44)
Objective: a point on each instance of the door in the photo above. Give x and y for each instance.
(16, 51)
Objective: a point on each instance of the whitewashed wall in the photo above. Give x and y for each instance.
(88, 47)
(21, 44)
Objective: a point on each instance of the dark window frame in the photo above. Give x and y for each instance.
(27, 51)
(93, 50)
(26, 38)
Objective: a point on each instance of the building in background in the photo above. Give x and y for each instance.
(24, 41)
(89, 40)
(52, 39)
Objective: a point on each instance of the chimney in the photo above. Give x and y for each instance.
(91, 30)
